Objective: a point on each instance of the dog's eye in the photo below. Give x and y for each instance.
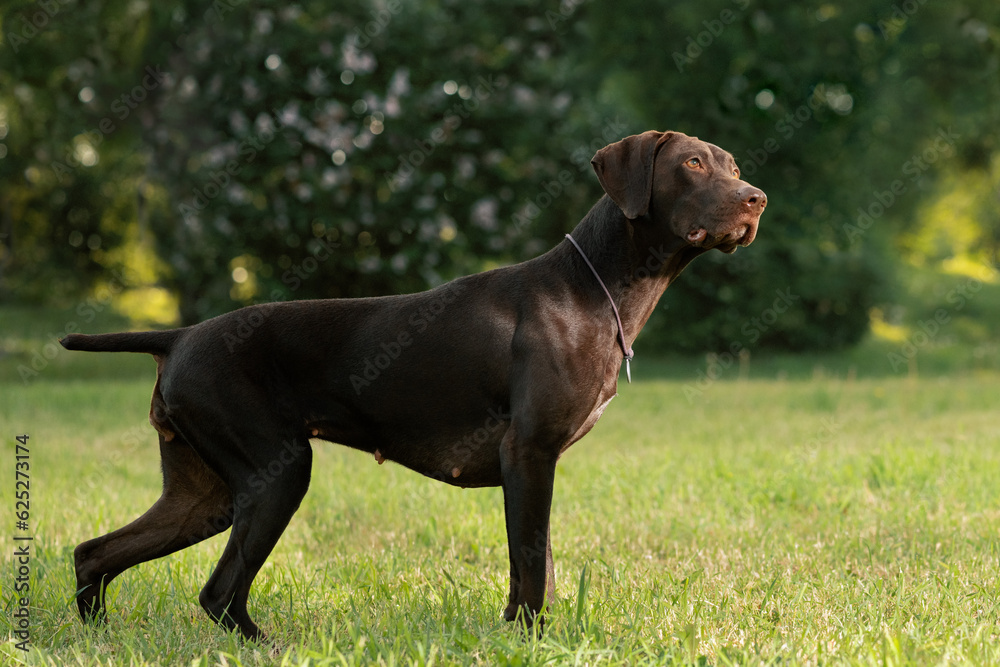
(694, 163)
(736, 172)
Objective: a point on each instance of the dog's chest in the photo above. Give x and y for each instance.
(590, 421)
(599, 410)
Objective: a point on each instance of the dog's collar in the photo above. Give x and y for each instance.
(626, 350)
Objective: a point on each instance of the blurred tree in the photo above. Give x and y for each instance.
(275, 151)
(366, 150)
(65, 198)
(279, 151)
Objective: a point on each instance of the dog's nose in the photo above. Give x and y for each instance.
(752, 197)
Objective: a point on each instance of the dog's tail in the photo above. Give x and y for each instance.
(150, 342)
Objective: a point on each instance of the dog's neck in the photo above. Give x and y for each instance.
(636, 260)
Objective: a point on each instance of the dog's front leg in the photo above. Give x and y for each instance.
(528, 474)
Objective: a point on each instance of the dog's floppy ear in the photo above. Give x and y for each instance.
(625, 170)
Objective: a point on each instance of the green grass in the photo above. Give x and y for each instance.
(805, 515)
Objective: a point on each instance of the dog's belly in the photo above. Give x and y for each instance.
(456, 468)
(468, 458)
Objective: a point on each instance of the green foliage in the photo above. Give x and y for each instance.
(68, 187)
(349, 152)
(825, 128)
(273, 151)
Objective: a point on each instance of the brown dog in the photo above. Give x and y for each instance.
(483, 381)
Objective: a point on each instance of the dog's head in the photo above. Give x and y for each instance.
(690, 186)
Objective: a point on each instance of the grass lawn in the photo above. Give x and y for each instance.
(807, 513)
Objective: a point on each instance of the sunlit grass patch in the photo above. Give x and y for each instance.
(792, 520)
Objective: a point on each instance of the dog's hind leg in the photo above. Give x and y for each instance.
(268, 480)
(195, 505)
